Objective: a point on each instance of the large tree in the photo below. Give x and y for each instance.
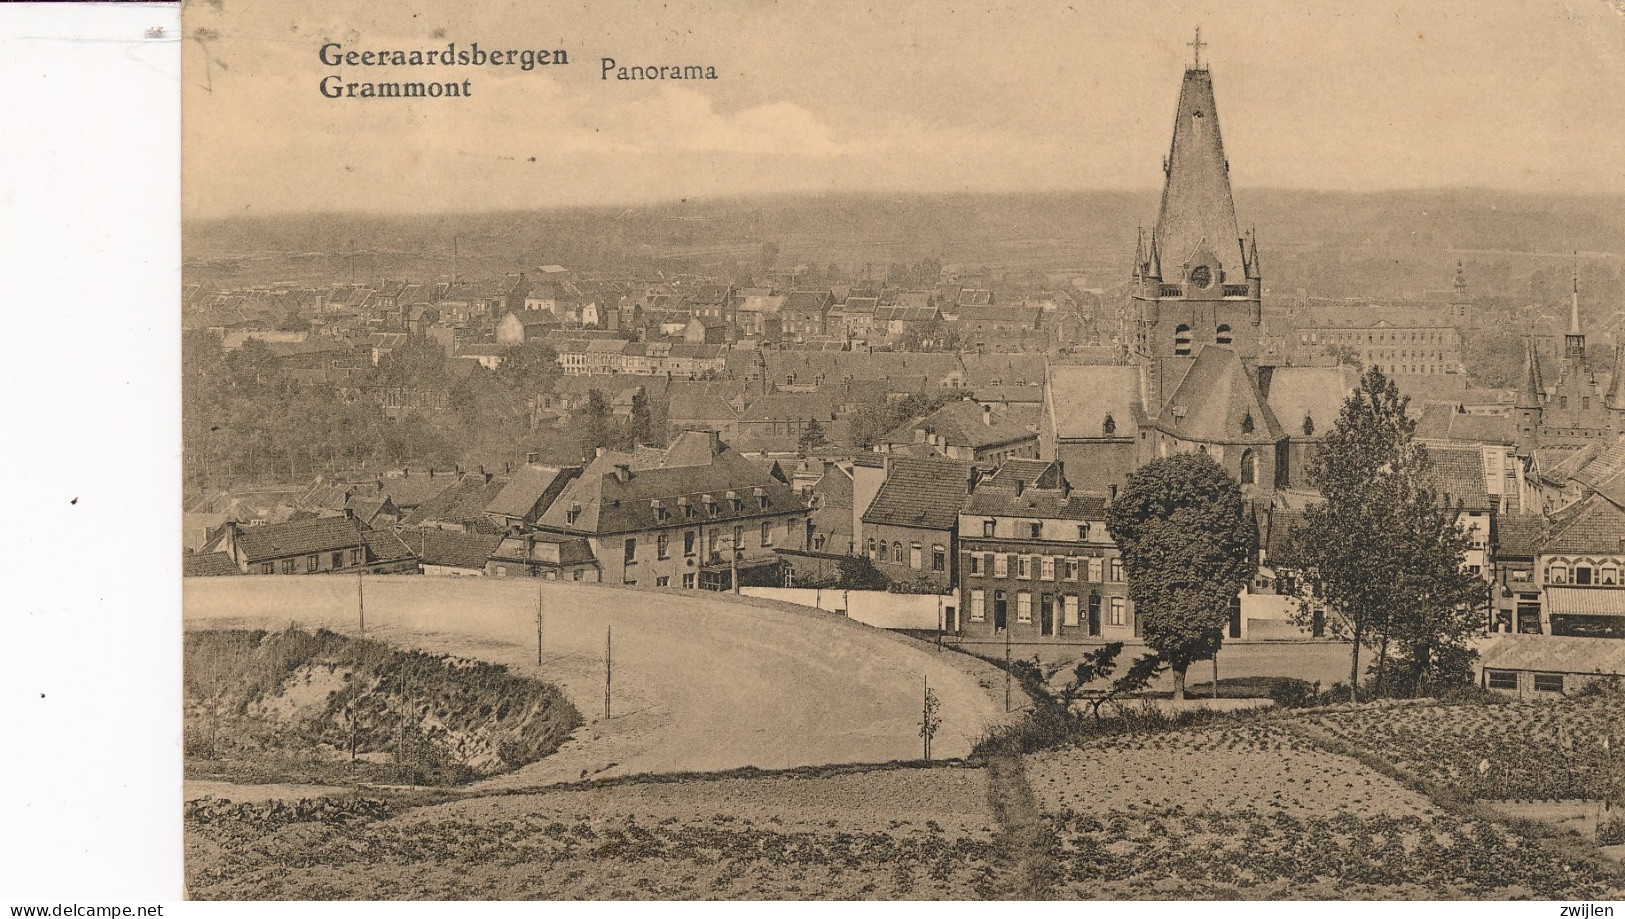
(1188, 549)
(1382, 551)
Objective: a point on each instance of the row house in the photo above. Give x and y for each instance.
(549, 556)
(910, 525)
(313, 545)
(688, 516)
(963, 430)
(802, 316)
(1036, 560)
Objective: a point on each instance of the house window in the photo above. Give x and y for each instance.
(1001, 565)
(767, 532)
(989, 527)
(976, 563)
(502, 571)
(818, 541)
(1021, 567)
(872, 549)
(268, 568)
(1047, 569)
(939, 558)
(897, 553)
(1249, 462)
(739, 538)
(337, 560)
(712, 540)
(662, 546)
(1024, 606)
(1501, 679)
(1117, 570)
(312, 563)
(914, 555)
(287, 566)
(688, 580)
(631, 557)
(1548, 682)
(1582, 574)
(1069, 610)
(977, 610)
(1083, 532)
(1072, 569)
(1036, 529)
(574, 575)
(663, 581)
(1094, 570)
(355, 556)
(1119, 606)
(1609, 576)
(1558, 573)
(688, 543)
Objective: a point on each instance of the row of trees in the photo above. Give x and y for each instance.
(1383, 551)
(247, 420)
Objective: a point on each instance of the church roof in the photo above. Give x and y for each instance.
(1079, 397)
(1218, 401)
(1316, 393)
(1197, 207)
(1532, 388)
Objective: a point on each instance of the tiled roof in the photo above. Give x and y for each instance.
(924, 493)
(207, 565)
(1554, 654)
(528, 486)
(408, 491)
(1047, 503)
(385, 546)
(463, 502)
(1519, 535)
(572, 550)
(1440, 421)
(1024, 317)
(298, 537)
(816, 301)
(1594, 525)
(961, 424)
(608, 499)
(1458, 472)
(451, 550)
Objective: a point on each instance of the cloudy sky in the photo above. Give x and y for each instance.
(916, 96)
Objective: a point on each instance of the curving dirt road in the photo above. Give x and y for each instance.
(701, 681)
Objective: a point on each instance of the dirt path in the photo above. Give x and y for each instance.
(1025, 834)
(702, 681)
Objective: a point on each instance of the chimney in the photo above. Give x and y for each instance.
(623, 472)
(987, 415)
(715, 439)
(488, 478)
(532, 456)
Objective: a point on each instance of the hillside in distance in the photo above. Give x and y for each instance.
(1377, 244)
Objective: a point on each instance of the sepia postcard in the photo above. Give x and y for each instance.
(740, 450)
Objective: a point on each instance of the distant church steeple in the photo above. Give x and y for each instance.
(1574, 343)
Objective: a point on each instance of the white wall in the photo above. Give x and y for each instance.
(879, 608)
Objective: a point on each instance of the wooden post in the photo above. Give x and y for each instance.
(1215, 676)
(939, 629)
(361, 600)
(925, 714)
(609, 665)
(538, 625)
(1007, 666)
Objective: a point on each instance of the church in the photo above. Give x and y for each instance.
(1195, 376)
(1585, 404)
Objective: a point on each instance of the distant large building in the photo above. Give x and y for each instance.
(1585, 404)
(1198, 377)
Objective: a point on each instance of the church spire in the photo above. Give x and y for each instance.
(1533, 388)
(1197, 208)
(1574, 343)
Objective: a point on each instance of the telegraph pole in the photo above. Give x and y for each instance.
(361, 600)
(538, 625)
(609, 666)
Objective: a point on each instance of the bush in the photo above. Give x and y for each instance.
(1611, 833)
(1289, 692)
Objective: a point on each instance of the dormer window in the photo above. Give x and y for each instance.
(688, 508)
(1308, 424)
(662, 514)
(735, 503)
(1247, 423)
(573, 514)
(1109, 426)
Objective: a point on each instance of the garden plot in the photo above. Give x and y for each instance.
(1251, 811)
(1517, 749)
(900, 833)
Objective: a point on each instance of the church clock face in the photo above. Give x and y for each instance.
(1202, 277)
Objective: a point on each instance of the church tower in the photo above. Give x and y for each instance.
(1196, 280)
(1574, 343)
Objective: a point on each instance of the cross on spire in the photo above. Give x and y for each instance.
(1197, 46)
